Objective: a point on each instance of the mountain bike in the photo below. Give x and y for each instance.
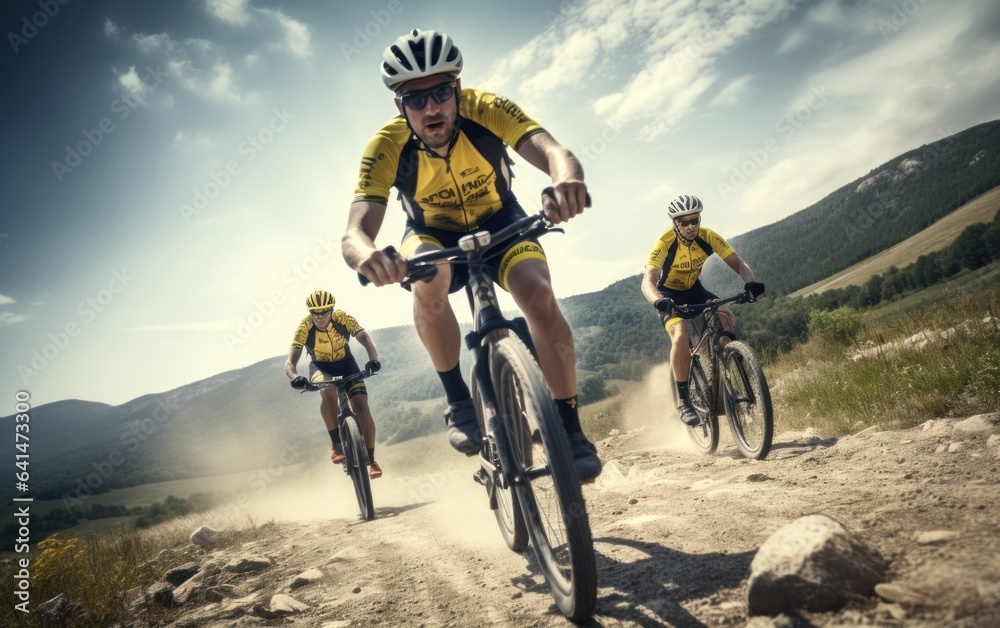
(744, 395)
(352, 444)
(525, 460)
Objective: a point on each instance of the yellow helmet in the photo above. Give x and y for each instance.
(320, 300)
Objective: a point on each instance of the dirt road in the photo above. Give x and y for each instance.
(675, 532)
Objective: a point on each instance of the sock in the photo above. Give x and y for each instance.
(454, 386)
(682, 391)
(570, 414)
(335, 436)
(371, 454)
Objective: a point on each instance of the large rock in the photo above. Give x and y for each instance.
(811, 564)
(161, 594)
(979, 424)
(179, 575)
(195, 589)
(205, 537)
(248, 563)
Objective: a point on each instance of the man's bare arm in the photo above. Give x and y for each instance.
(545, 153)
(358, 245)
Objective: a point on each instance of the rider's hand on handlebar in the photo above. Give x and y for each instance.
(753, 290)
(383, 267)
(564, 200)
(664, 305)
(299, 383)
(373, 366)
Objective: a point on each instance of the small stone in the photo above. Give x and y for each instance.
(633, 501)
(957, 446)
(757, 477)
(935, 537)
(895, 592)
(356, 590)
(614, 432)
(281, 603)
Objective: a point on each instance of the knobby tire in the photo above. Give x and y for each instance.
(357, 465)
(748, 401)
(508, 510)
(704, 435)
(547, 486)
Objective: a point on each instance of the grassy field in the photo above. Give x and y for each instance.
(937, 236)
(933, 355)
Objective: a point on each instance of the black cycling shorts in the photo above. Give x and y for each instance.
(340, 368)
(499, 261)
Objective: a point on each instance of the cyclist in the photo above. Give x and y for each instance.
(445, 154)
(672, 275)
(326, 334)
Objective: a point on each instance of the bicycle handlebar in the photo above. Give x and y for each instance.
(714, 304)
(421, 267)
(338, 381)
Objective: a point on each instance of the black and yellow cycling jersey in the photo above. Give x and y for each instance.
(454, 193)
(682, 263)
(330, 344)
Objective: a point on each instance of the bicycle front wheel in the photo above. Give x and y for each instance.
(748, 400)
(357, 465)
(508, 510)
(545, 479)
(704, 435)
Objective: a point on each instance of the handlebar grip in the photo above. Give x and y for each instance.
(551, 193)
(390, 251)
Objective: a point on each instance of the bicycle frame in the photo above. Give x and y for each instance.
(712, 336)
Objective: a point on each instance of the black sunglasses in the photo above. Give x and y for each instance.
(687, 223)
(418, 99)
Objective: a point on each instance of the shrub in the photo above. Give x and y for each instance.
(839, 327)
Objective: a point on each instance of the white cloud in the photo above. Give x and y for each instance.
(9, 318)
(132, 83)
(734, 92)
(221, 86)
(110, 28)
(5, 300)
(297, 37)
(229, 11)
(678, 45)
(157, 42)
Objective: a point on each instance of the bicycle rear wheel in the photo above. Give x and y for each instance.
(545, 479)
(507, 510)
(748, 400)
(704, 435)
(357, 465)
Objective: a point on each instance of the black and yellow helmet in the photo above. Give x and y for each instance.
(320, 300)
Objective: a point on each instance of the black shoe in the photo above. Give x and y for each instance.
(588, 465)
(463, 434)
(687, 414)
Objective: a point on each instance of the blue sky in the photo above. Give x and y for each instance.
(177, 175)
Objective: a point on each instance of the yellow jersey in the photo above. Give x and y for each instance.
(458, 192)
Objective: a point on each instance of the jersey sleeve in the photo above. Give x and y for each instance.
(658, 254)
(500, 115)
(301, 333)
(348, 321)
(719, 244)
(379, 162)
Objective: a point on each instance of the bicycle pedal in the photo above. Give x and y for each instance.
(481, 478)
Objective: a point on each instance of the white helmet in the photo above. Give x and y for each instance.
(418, 54)
(684, 205)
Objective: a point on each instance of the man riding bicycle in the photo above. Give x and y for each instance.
(326, 334)
(671, 276)
(446, 156)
